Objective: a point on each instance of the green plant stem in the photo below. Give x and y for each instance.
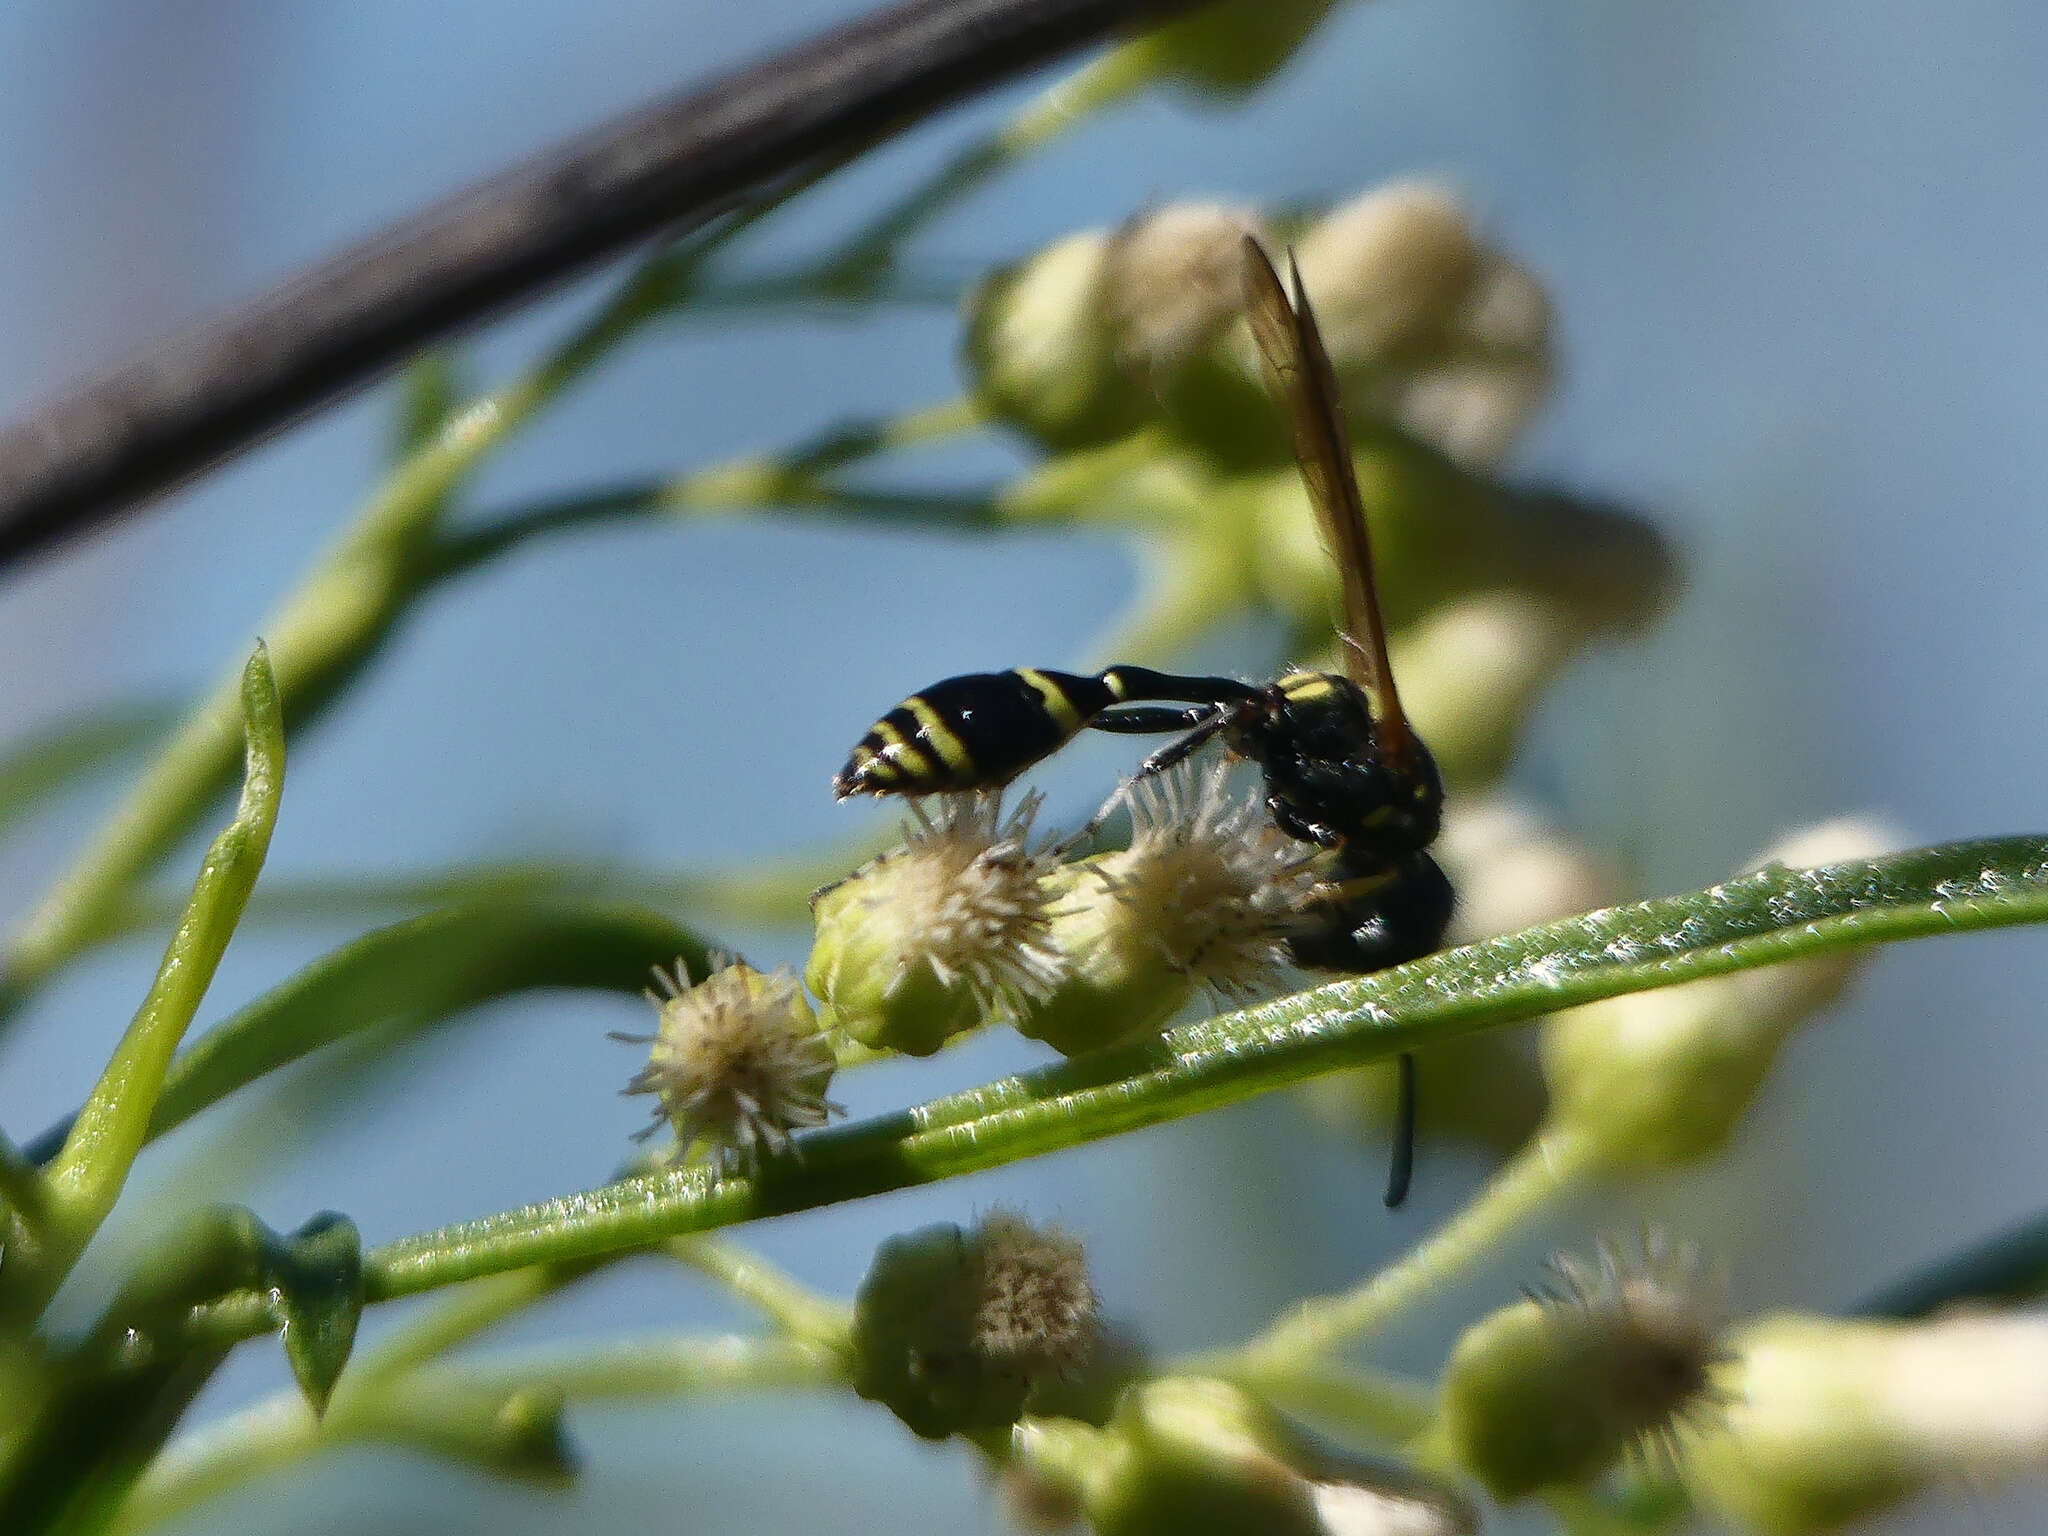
(863, 263)
(1365, 1405)
(799, 476)
(280, 1431)
(792, 1306)
(22, 1190)
(87, 1174)
(1553, 1166)
(1772, 915)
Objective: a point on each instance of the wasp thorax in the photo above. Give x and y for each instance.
(1610, 1358)
(952, 1328)
(737, 1061)
(1205, 898)
(945, 933)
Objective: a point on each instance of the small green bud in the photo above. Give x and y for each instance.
(737, 1060)
(1229, 49)
(1427, 326)
(1204, 897)
(1039, 349)
(939, 936)
(953, 1329)
(1188, 1456)
(1555, 1389)
(1828, 1421)
(1660, 1078)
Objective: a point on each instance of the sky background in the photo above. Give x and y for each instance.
(1796, 257)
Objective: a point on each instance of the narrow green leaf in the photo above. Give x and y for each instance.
(2010, 1266)
(321, 1289)
(49, 760)
(88, 1173)
(1772, 915)
(420, 972)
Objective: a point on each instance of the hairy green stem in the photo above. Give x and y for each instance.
(1774, 914)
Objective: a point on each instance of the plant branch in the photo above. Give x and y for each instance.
(1772, 915)
(183, 404)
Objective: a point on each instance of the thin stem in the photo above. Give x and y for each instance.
(1551, 1167)
(1772, 915)
(799, 476)
(862, 264)
(281, 1431)
(87, 1175)
(791, 1305)
(1373, 1406)
(625, 1368)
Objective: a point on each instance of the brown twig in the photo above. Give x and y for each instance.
(184, 403)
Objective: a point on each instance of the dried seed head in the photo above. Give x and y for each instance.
(947, 932)
(1608, 1359)
(1037, 1308)
(1204, 898)
(1659, 1078)
(1829, 1421)
(737, 1060)
(952, 1329)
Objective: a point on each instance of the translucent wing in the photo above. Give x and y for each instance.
(1298, 369)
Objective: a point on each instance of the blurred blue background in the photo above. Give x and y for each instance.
(1796, 252)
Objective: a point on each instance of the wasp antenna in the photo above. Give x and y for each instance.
(1298, 370)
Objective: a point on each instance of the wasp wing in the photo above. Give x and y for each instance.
(1298, 370)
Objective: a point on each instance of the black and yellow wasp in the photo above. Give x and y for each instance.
(1343, 769)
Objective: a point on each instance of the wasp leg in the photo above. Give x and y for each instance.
(1152, 720)
(1209, 722)
(1401, 1171)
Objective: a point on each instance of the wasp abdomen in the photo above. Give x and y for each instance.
(977, 731)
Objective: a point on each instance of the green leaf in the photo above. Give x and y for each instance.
(49, 760)
(321, 1285)
(1774, 914)
(86, 1176)
(419, 972)
(2010, 1266)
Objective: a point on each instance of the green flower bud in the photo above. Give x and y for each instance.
(1039, 349)
(953, 1329)
(936, 938)
(1229, 49)
(1428, 327)
(1555, 1389)
(1188, 1456)
(737, 1061)
(1659, 1078)
(1204, 897)
(1828, 1421)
